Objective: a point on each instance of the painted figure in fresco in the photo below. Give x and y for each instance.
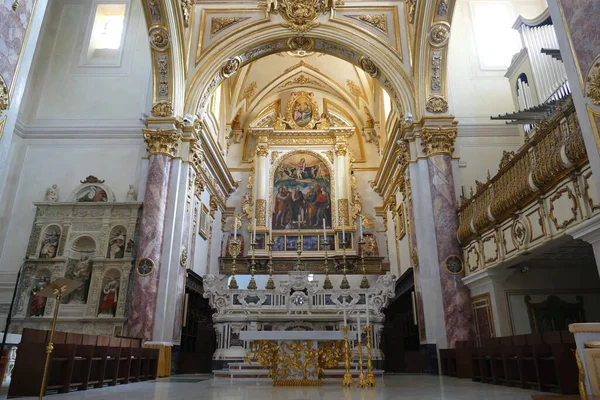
(109, 297)
(323, 202)
(92, 194)
(300, 169)
(38, 303)
(297, 205)
(50, 246)
(282, 206)
(311, 206)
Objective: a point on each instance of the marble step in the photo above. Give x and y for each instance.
(264, 373)
(256, 365)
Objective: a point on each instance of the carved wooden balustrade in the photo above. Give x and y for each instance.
(554, 152)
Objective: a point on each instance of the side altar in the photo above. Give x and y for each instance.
(296, 357)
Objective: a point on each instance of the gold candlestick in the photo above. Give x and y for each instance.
(327, 284)
(370, 381)
(364, 284)
(234, 250)
(362, 382)
(347, 381)
(345, 284)
(252, 283)
(270, 283)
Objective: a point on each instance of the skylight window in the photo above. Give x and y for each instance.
(495, 39)
(107, 32)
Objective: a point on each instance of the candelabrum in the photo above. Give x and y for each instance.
(252, 283)
(234, 250)
(327, 284)
(365, 246)
(347, 381)
(370, 380)
(344, 284)
(270, 283)
(362, 382)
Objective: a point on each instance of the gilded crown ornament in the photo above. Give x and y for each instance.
(300, 15)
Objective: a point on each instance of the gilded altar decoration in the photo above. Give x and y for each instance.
(159, 38)
(377, 21)
(302, 110)
(436, 104)
(219, 24)
(3, 95)
(262, 150)
(301, 192)
(213, 205)
(300, 15)
(438, 140)
(162, 109)
(356, 208)
(231, 66)
(343, 212)
(330, 355)
(162, 141)
(186, 11)
(593, 84)
(439, 34)
(368, 66)
(261, 212)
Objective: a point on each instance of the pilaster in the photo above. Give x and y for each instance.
(262, 182)
(342, 181)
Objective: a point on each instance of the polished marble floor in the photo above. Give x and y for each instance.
(421, 387)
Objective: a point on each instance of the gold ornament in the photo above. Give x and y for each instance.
(183, 258)
(219, 24)
(368, 66)
(300, 15)
(438, 35)
(304, 99)
(378, 21)
(301, 44)
(436, 104)
(262, 150)
(162, 141)
(3, 95)
(438, 140)
(343, 211)
(231, 66)
(159, 38)
(186, 10)
(593, 85)
(162, 109)
(411, 7)
(214, 205)
(261, 212)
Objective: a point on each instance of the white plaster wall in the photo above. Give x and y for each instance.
(201, 262)
(43, 162)
(62, 92)
(539, 283)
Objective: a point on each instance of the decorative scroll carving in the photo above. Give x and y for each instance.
(354, 88)
(341, 149)
(438, 140)
(343, 212)
(219, 24)
(329, 155)
(261, 212)
(378, 21)
(593, 84)
(571, 197)
(506, 157)
(368, 66)
(213, 205)
(300, 15)
(411, 8)
(301, 44)
(186, 11)
(262, 150)
(436, 104)
(301, 80)
(162, 141)
(162, 109)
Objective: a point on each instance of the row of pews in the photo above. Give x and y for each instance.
(538, 361)
(79, 362)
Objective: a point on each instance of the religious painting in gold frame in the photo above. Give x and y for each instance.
(400, 222)
(302, 110)
(204, 225)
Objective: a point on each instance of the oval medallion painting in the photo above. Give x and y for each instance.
(301, 192)
(301, 110)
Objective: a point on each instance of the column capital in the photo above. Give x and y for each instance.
(162, 141)
(262, 149)
(438, 139)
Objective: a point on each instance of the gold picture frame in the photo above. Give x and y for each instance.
(204, 224)
(400, 222)
(302, 110)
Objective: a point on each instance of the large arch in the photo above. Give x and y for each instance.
(245, 47)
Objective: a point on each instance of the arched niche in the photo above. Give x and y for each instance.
(37, 304)
(117, 243)
(79, 268)
(92, 190)
(50, 240)
(109, 295)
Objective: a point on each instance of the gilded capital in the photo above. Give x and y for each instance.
(438, 140)
(262, 149)
(162, 141)
(341, 149)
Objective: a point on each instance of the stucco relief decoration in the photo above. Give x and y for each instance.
(438, 140)
(436, 66)
(3, 95)
(159, 38)
(301, 44)
(231, 66)
(219, 24)
(300, 15)
(442, 10)
(162, 141)
(411, 9)
(519, 233)
(162, 109)
(436, 104)
(593, 84)
(439, 34)
(473, 259)
(554, 208)
(154, 11)
(302, 110)
(368, 66)
(377, 21)
(162, 68)
(186, 10)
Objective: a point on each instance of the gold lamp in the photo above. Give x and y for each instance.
(56, 289)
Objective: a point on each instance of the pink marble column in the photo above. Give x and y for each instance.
(456, 298)
(150, 239)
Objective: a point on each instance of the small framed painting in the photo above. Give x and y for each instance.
(291, 243)
(279, 243)
(330, 243)
(204, 222)
(260, 241)
(310, 243)
(347, 238)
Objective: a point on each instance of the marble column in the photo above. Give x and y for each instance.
(162, 147)
(342, 182)
(262, 183)
(438, 145)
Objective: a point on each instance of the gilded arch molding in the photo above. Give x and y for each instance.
(387, 67)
